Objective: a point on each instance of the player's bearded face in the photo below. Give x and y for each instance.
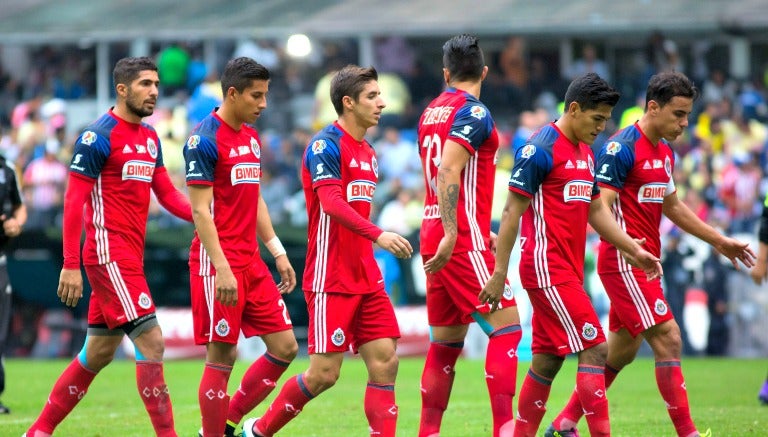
(141, 95)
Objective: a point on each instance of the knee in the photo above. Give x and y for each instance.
(286, 351)
(595, 356)
(667, 343)
(319, 380)
(384, 368)
(99, 357)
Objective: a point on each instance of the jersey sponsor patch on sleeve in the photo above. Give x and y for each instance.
(613, 148)
(318, 146)
(527, 151)
(88, 137)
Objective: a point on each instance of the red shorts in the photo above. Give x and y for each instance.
(636, 304)
(564, 320)
(260, 309)
(452, 292)
(340, 322)
(119, 293)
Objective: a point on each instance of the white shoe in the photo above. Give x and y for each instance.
(200, 433)
(248, 427)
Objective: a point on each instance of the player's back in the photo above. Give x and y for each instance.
(338, 259)
(558, 177)
(122, 158)
(458, 116)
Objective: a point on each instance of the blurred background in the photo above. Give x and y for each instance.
(56, 59)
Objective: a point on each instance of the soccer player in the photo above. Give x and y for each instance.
(347, 304)
(232, 288)
(117, 160)
(458, 144)
(635, 170)
(13, 217)
(553, 189)
(759, 273)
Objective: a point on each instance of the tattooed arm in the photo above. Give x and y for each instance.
(454, 159)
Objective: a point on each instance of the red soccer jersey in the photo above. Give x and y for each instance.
(641, 173)
(230, 161)
(458, 116)
(338, 259)
(559, 177)
(122, 158)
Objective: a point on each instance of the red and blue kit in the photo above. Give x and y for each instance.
(458, 116)
(559, 178)
(339, 260)
(641, 173)
(230, 161)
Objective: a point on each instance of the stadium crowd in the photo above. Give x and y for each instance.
(722, 170)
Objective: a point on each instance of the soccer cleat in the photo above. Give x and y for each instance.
(4, 409)
(248, 427)
(552, 432)
(200, 433)
(707, 433)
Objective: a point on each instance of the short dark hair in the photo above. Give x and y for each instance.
(239, 73)
(663, 87)
(590, 91)
(463, 57)
(350, 81)
(128, 69)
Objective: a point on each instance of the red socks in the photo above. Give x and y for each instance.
(213, 398)
(154, 392)
(531, 404)
(501, 375)
(572, 413)
(669, 378)
(287, 405)
(257, 383)
(436, 384)
(380, 409)
(66, 393)
(590, 385)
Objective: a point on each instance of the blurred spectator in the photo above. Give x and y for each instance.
(395, 93)
(394, 55)
(44, 181)
(205, 97)
(739, 192)
(717, 88)
(172, 65)
(714, 283)
(262, 51)
(588, 63)
(398, 160)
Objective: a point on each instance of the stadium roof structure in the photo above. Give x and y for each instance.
(46, 21)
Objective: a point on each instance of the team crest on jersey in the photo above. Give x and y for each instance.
(375, 165)
(528, 151)
(660, 307)
(668, 166)
(577, 191)
(591, 165)
(508, 293)
(145, 301)
(152, 148)
(338, 338)
(477, 111)
(193, 141)
(245, 173)
(137, 170)
(222, 328)
(360, 190)
(651, 193)
(613, 148)
(88, 137)
(255, 147)
(589, 332)
(318, 146)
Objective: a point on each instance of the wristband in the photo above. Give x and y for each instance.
(275, 247)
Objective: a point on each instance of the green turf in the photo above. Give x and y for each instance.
(722, 393)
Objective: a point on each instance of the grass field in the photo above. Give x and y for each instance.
(722, 393)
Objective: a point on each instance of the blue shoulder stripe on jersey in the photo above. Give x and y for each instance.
(544, 138)
(627, 137)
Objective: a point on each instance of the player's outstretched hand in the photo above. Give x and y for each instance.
(11, 226)
(442, 256)
(759, 272)
(70, 286)
(646, 262)
(395, 244)
(737, 251)
(287, 274)
(226, 287)
(491, 293)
